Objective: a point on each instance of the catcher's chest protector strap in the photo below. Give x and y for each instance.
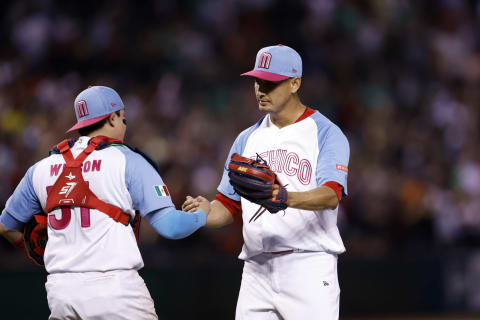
(70, 189)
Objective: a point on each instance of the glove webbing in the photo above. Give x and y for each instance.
(257, 214)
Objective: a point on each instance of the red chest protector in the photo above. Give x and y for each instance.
(70, 189)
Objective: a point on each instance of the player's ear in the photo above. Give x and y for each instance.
(295, 84)
(111, 119)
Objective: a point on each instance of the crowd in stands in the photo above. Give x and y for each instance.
(401, 78)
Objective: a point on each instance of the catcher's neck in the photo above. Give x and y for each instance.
(289, 113)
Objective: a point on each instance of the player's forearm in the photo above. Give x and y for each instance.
(177, 224)
(320, 198)
(10, 228)
(219, 216)
(13, 236)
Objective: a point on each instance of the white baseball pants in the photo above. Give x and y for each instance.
(120, 294)
(292, 286)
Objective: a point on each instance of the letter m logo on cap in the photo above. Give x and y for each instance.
(264, 61)
(82, 109)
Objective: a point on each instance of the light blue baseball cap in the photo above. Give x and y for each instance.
(95, 104)
(276, 63)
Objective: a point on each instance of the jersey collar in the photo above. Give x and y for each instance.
(307, 113)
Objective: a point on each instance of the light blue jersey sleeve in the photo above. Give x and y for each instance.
(22, 204)
(147, 189)
(334, 154)
(176, 224)
(238, 146)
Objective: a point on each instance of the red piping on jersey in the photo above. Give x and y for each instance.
(70, 189)
(307, 113)
(335, 186)
(233, 206)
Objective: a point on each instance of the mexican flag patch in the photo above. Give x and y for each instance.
(162, 191)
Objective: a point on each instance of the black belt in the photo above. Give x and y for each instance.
(281, 252)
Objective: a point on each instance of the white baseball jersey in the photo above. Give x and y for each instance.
(81, 239)
(304, 155)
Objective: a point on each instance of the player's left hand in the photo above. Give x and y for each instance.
(256, 182)
(275, 191)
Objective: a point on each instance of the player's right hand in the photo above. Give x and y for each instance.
(190, 205)
(194, 204)
(203, 204)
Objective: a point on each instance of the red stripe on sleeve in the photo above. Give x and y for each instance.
(233, 206)
(335, 186)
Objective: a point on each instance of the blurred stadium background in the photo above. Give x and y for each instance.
(400, 77)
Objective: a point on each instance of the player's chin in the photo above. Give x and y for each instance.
(265, 107)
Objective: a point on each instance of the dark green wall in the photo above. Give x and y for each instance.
(389, 286)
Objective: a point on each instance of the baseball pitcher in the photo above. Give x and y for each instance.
(285, 175)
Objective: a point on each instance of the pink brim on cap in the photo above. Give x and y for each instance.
(86, 123)
(265, 75)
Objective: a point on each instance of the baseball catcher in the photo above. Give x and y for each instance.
(90, 190)
(254, 181)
